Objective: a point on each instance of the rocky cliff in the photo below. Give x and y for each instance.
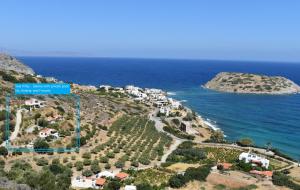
(8, 62)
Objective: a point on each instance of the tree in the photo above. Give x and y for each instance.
(199, 173)
(245, 142)
(40, 144)
(95, 168)
(113, 185)
(87, 173)
(177, 181)
(56, 168)
(46, 180)
(3, 151)
(79, 165)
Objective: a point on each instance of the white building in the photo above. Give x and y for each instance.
(84, 183)
(105, 174)
(105, 87)
(174, 104)
(254, 159)
(34, 103)
(46, 132)
(153, 91)
(165, 111)
(130, 187)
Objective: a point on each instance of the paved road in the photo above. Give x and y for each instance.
(14, 134)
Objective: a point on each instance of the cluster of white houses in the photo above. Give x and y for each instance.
(153, 96)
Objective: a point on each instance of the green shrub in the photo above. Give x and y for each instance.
(177, 181)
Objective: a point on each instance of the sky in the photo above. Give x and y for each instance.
(191, 29)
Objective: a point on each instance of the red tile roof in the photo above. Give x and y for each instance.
(226, 166)
(265, 173)
(122, 175)
(100, 181)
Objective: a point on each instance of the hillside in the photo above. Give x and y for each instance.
(252, 84)
(8, 62)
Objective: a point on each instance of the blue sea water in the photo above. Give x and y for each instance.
(264, 118)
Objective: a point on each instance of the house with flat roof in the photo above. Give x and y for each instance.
(46, 132)
(254, 159)
(35, 103)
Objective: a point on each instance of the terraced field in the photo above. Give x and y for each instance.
(133, 141)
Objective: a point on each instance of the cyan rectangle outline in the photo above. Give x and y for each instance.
(42, 88)
(21, 149)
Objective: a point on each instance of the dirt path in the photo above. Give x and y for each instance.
(159, 127)
(14, 134)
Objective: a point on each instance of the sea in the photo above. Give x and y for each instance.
(263, 118)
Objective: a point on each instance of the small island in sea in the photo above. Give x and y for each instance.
(252, 84)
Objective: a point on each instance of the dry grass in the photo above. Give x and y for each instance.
(180, 167)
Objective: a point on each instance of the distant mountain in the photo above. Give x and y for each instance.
(8, 62)
(252, 84)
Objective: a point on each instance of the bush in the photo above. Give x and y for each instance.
(95, 168)
(3, 151)
(217, 137)
(40, 144)
(86, 155)
(144, 186)
(245, 142)
(9, 78)
(87, 162)
(246, 167)
(87, 173)
(119, 164)
(177, 181)
(281, 179)
(42, 162)
(199, 173)
(79, 165)
(107, 166)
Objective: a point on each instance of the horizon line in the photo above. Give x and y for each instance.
(161, 58)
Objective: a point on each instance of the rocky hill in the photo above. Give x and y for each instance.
(8, 62)
(252, 84)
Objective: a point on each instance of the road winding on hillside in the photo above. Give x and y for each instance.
(14, 134)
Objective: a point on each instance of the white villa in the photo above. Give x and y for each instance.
(165, 111)
(254, 159)
(35, 103)
(46, 132)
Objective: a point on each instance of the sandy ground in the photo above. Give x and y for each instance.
(236, 179)
(295, 174)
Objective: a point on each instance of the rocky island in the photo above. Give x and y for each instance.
(252, 84)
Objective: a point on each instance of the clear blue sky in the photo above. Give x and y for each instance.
(201, 29)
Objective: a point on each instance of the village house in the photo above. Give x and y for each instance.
(254, 159)
(46, 132)
(83, 182)
(35, 103)
(105, 87)
(165, 111)
(122, 176)
(100, 183)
